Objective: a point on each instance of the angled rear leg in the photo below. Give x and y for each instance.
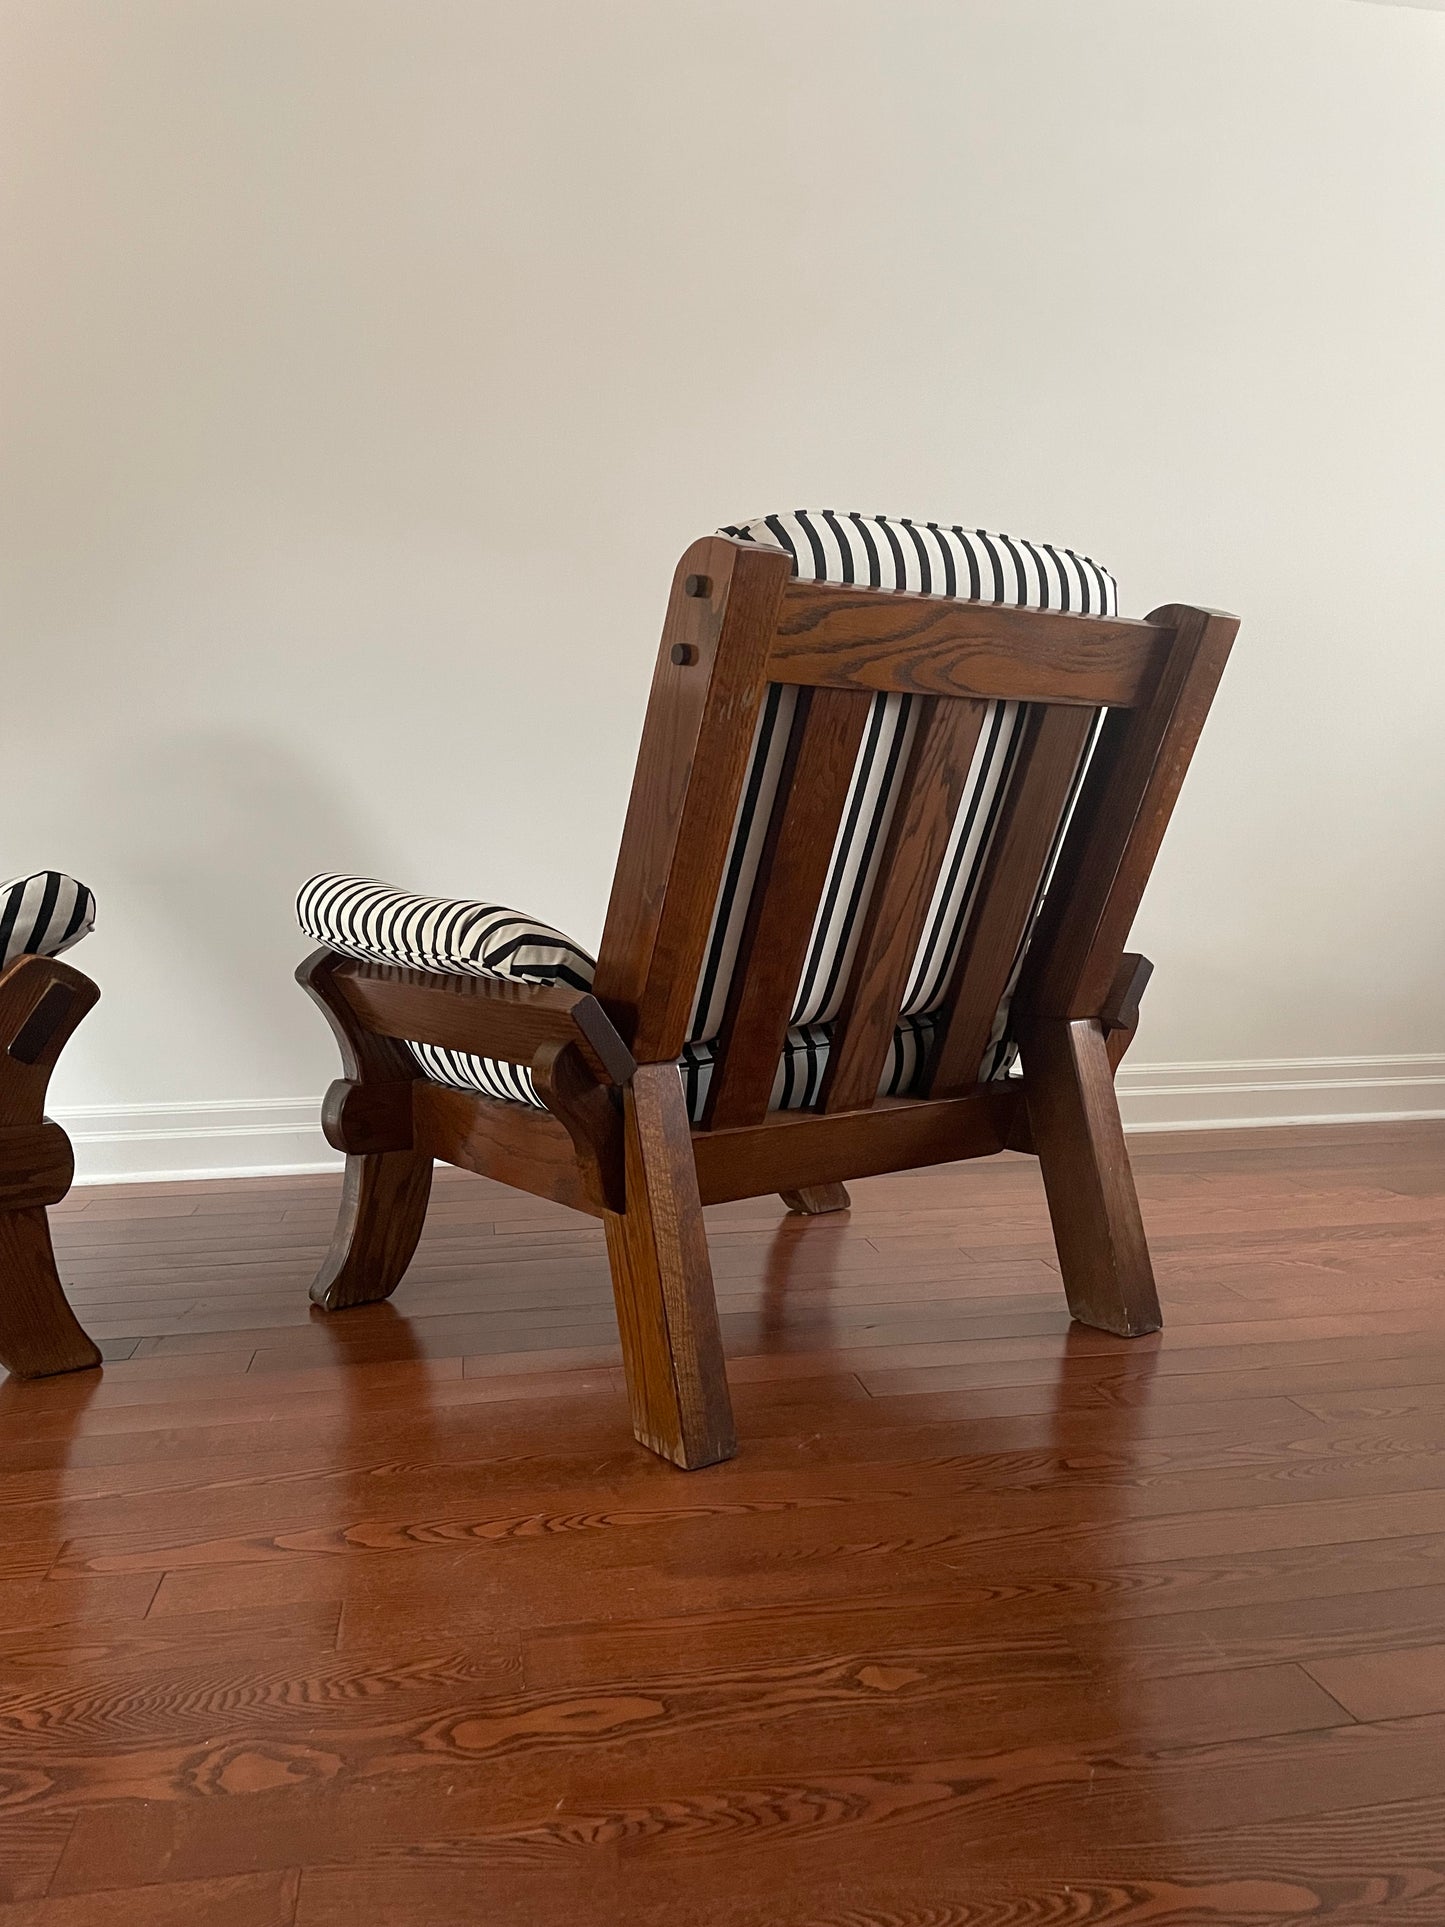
(662, 1281)
(1074, 1123)
(368, 1115)
(815, 1200)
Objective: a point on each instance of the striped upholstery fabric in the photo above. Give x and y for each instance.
(925, 559)
(42, 915)
(363, 918)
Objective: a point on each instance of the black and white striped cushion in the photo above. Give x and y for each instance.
(42, 915)
(926, 559)
(363, 918)
(799, 1079)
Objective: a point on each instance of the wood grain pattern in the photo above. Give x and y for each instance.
(1075, 1129)
(1051, 743)
(813, 787)
(736, 627)
(913, 851)
(928, 645)
(41, 1002)
(1108, 1631)
(1123, 811)
(662, 1282)
(690, 771)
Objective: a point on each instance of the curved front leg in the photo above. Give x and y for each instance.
(387, 1184)
(41, 1002)
(39, 1333)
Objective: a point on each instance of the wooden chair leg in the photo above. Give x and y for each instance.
(662, 1281)
(383, 1208)
(39, 1333)
(814, 1200)
(1074, 1122)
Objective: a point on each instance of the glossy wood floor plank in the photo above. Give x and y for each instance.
(380, 1617)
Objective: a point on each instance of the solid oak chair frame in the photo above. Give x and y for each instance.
(41, 1002)
(615, 1139)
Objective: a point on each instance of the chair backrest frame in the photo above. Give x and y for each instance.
(736, 623)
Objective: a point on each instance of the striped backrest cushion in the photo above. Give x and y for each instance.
(42, 915)
(926, 559)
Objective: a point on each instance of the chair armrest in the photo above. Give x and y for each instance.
(482, 1016)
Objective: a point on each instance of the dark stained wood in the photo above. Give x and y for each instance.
(36, 1165)
(1052, 741)
(813, 787)
(1128, 797)
(735, 624)
(1121, 1007)
(816, 1200)
(383, 1208)
(690, 771)
(662, 1281)
(531, 1150)
(484, 1015)
(41, 1002)
(796, 1150)
(385, 1190)
(930, 646)
(912, 857)
(591, 1114)
(1074, 1122)
(39, 1333)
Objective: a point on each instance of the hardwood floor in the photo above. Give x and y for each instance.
(314, 1621)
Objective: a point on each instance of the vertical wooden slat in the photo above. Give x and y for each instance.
(1128, 796)
(822, 750)
(913, 854)
(706, 693)
(1052, 741)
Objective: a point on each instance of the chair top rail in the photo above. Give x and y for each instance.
(832, 636)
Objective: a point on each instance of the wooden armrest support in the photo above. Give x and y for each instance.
(483, 1016)
(1121, 1006)
(41, 1002)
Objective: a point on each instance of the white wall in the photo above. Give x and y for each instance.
(367, 366)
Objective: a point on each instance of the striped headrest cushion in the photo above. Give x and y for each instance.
(42, 915)
(925, 558)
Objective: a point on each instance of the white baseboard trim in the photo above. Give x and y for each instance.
(1280, 1090)
(274, 1137)
(248, 1137)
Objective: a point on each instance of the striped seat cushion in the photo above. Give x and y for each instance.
(799, 1079)
(363, 918)
(42, 915)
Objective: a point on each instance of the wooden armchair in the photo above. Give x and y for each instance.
(880, 838)
(41, 1002)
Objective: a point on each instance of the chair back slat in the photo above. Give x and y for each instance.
(848, 800)
(707, 691)
(917, 839)
(1052, 741)
(1128, 795)
(813, 787)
